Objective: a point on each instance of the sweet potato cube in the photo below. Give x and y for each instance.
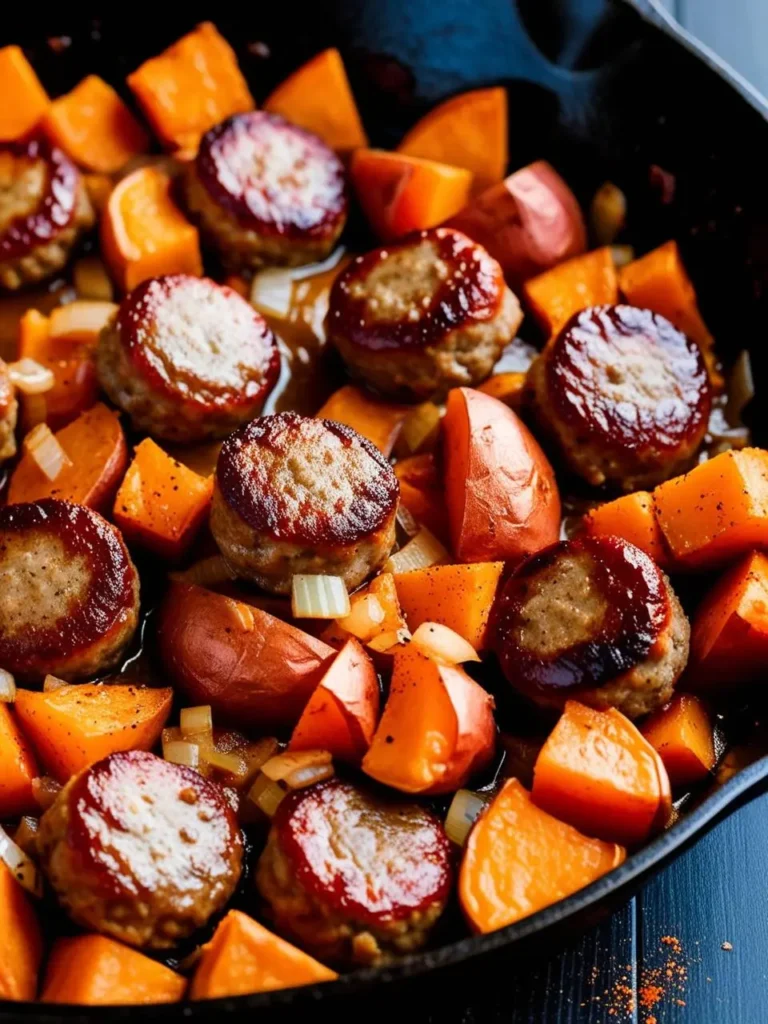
(683, 736)
(24, 99)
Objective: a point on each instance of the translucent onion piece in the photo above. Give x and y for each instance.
(421, 552)
(741, 388)
(91, 279)
(420, 429)
(282, 767)
(608, 213)
(233, 762)
(31, 377)
(385, 642)
(81, 320)
(46, 451)
(7, 687)
(442, 644)
(272, 291)
(20, 864)
(182, 752)
(208, 572)
(462, 814)
(25, 835)
(196, 722)
(622, 255)
(366, 615)
(45, 790)
(51, 683)
(319, 597)
(267, 795)
(406, 522)
(258, 753)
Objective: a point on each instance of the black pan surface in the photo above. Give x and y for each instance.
(604, 89)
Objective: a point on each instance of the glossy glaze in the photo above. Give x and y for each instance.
(56, 208)
(273, 177)
(470, 291)
(369, 859)
(635, 610)
(246, 482)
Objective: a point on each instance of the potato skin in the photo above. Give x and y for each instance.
(253, 669)
(503, 501)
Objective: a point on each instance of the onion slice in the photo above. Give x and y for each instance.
(25, 835)
(232, 762)
(319, 597)
(51, 683)
(7, 687)
(608, 213)
(31, 377)
(196, 722)
(464, 811)
(182, 752)
(20, 864)
(420, 553)
(44, 448)
(272, 291)
(208, 572)
(366, 615)
(289, 771)
(443, 645)
(81, 320)
(420, 429)
(385, 642)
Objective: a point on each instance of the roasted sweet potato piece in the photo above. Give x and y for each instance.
(519, 859)
(17, 769)
(632, 517)
(597, 772)
(507, 387)
(379, 421)
(26, 101)
(421, 492)
(21, 944)
(683, 736)
(589, 280)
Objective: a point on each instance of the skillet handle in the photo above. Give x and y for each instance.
(653, 10)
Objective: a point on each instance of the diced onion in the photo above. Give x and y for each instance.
(319, 597)
(31, 377)
(25, 835)
(196, 722)
(366, 615)
(208, 572)
(607, 213)
(231, 762)
(45, 790)
(44, 448)
(51, 683)
(267, 795)
(258, 753)
(81, 320)
(91, 279)
(292, 766)
(421, 552)
(443, 644)
(384, 642)
(420, 429)
(406, 522)
(20, 864)
(182, 752)
(622, 255)
(272, 291)
(7, 687)
(464, 811)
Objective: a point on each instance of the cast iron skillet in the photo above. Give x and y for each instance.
(605, 89)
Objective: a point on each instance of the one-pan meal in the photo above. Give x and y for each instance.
(341, 565)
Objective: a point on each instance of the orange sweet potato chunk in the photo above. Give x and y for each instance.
(92, 970)
(379, 421)
(469, 131)
(632, 517)
(161, 503)
(589, 280)
(683, 736)
(75, 726)
(729, 634)
(190, 87)
(519, 859)
(24, 99)
(93, 125)
(717, 512)
(17, 768)
(21, 944)
(422, 493)
(318, 97)
(244, 957)
(457, 596)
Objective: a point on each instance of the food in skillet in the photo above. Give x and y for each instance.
(284, 669)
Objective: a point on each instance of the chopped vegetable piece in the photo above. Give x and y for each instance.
(51, 683)
(588, 280)
(143, 232)
(342, 713)
(318, 97)
(99, 188)
(400, 193)
(506, 387)
(20, 864)
(379, 421)
(75, 726)
(442, 644)
(91, 279)
(421, 552)
(182, 752)
(190, 87)
(464, 811)
(97, 455)
(374, 610)
(470, 131)
(7, 687)
(597, 772)
(45, 790)
(319, 597)
(31, 377)
(93, 126)
(420, 430)
(683, 736)
(457, 596)
(421, 492)
(294, 768)
(519, 859)
(267, 795)
(46, 452)
(92, 970)
(21, 943)
(632, 517)
(225, 762)
(161, 504)
(243, 957)
(19, 768)
(208, 572)
(717, 512)
(272, 291)
(437, 728)
(196, 722)
(81, 321)
(729, 634)
(608, 213)
(25, 835)
(26, 101)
